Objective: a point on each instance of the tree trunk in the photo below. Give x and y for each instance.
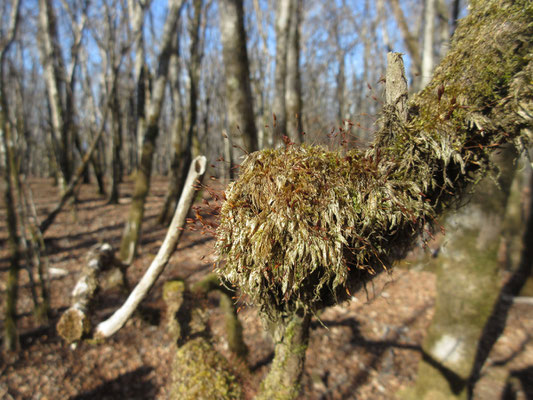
(10, 316)
(239, 102)
(479, 99)
(283, 380)
(468, 282)
(279, 107)
(7, 141)
(182, 155)
(116, 161)
(429, 39)
(55, 80)
(130, 237)
(137, 11)
(293, 92)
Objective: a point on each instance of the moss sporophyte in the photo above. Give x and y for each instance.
(303, 226)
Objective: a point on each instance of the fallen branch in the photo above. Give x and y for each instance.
(74, 323)
(119, 318)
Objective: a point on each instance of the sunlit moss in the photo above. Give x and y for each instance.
(199, 372)
(304, 226)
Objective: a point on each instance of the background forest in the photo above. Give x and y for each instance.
(107, 106)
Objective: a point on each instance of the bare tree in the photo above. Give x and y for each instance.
(239, 103)
(182, 144)
(10, 327)
(279, 108)
(293, 85)
(60, 82)
(430, 13)
(268, 236)
(130, 237)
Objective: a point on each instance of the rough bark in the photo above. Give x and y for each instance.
(10, 317)
(183, 148)
(239, 101)
(396, 91)
(132, 230)
(293, 89)
(468, 282)
(283, 380)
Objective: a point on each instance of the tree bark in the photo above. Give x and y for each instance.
(293, 89)
(11, 341)
(468, 282)
(283, 380)
(131, 235)
(183, 148)
(75, 323)
(429, 39)
(279, 107)
(239, 102)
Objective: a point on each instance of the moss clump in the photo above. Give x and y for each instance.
(199, 372)
(303, 226)
(73, 325)
(301, 220)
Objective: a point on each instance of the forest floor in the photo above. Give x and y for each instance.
(368, 348)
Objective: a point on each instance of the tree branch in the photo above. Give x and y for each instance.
(119, 318)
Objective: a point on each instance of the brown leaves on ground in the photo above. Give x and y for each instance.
(365, 349)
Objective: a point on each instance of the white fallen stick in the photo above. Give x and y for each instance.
(118, 319)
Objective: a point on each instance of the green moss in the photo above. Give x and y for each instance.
(303, 227)
(199, 372)
(73, 325)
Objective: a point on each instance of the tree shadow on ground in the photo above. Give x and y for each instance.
(131, 385)
(498, 319)
(520, 380)
(378, 350)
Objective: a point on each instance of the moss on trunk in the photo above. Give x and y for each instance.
(131, 235)
(468, 283)
(304, 227)
(283, 379)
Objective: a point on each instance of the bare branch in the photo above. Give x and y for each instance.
(119, 318)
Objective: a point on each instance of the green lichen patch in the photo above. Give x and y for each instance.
(199, 372)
